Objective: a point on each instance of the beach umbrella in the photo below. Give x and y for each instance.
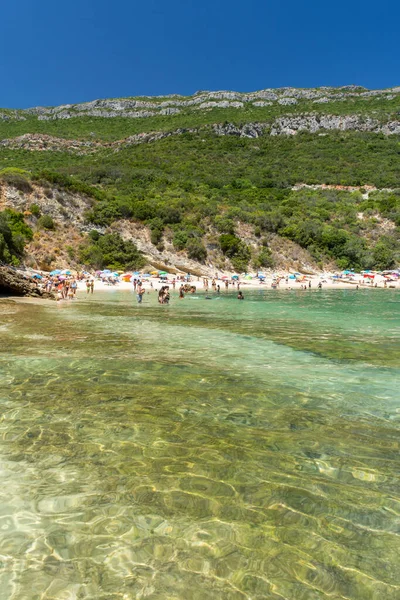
(235, 276)
(66, 272)
(36, 276)
(162, 273)
(146, 275)
(248, 277)
(55, 272)
(106, 271)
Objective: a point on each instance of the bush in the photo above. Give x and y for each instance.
(94, 235)
(70, 251)
(170, 215)
(35, 210)
(156, 236)
(46, 222)
(13, 234)
(196, 250)
(224, 225)
(229, 243)
(264, 259)
(180, 240)
(18, 181)
(236, 250)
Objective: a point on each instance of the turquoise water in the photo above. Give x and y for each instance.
(210, 449)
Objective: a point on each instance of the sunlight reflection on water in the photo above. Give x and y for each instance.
(202, 450)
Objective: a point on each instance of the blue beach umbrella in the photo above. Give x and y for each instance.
(36, 276)
(55, 272)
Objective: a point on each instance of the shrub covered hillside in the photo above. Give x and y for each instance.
(221, 178)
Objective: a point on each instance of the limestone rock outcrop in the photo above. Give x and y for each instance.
(169, 105)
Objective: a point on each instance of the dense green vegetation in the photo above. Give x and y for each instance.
(199, 184)
(13, 235)
(109, 129)
(110, 251)
(191, 160)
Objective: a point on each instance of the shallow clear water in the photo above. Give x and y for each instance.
(210, 449)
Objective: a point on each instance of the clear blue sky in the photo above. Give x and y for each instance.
(54, 52)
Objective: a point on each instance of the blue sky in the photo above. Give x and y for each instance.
(63, 52)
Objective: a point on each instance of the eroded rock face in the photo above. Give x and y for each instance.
(14, 283)
(292, 124)
(149, 106)
(249, 130)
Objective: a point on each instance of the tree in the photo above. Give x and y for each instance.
(383, 256)
(46, 222)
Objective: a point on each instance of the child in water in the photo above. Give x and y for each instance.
(240, 296)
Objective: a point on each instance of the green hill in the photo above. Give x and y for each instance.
(223, 177)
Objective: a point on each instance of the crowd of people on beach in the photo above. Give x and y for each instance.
(65, 284)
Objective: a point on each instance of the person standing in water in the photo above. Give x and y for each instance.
(240, 296)
(139, 295)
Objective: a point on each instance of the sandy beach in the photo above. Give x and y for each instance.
(326, 282)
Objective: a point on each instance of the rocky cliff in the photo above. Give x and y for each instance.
(165, 106)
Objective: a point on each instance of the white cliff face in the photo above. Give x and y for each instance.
(148, 106)
(292, 124)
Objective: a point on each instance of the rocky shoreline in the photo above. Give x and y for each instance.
(15, 283)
